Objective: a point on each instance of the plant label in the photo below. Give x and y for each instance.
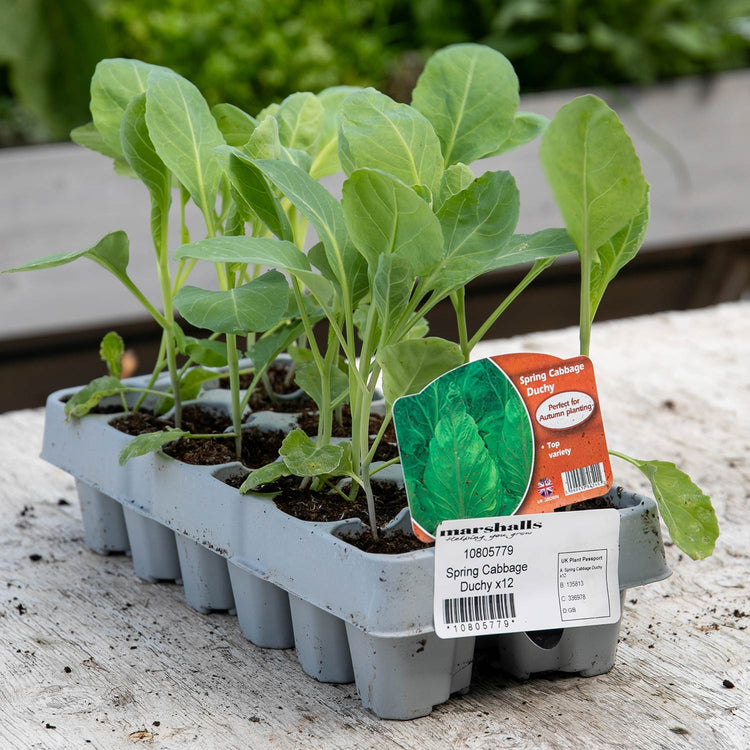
(512, 434)
(534, 572)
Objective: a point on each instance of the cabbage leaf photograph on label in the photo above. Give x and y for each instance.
(466, 447)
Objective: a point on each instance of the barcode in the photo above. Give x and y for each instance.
(478, 608)
(585, 478)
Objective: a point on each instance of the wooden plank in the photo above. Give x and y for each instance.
(691, 137)
(672, 385)
(62, 197)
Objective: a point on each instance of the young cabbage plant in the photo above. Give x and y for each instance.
(157, 127)
(413, 227)
(301, 131)
(475, 116)
(596, 178)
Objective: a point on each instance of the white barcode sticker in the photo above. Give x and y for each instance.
(532, 572)
(585, 478)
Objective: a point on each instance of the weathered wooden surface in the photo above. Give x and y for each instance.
(691, 135)
(145, 669)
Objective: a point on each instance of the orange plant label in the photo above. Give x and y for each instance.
(571, 462)
(516, 433)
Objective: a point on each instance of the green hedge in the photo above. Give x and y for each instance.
(253, 52)
(566, 43)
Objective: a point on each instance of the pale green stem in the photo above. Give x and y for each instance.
(158, 367)
(407, 323)
(299, 228)
(458, 300)
(324, 365)
(222, 276)
(184, 231)
(335, 489)
(536, 269)
(370, 505)
(148, 392)
(357, 384)
(630, 460)
(584, 323)
(166, 296)
(408, 317)
(321, 156)
(355, 404)
(183, 273)
(361, 416)
(171, 355)
(360, 446)
(298, 223)
(379, 437)
(290, 372)
(155, 314)
(226, 200)
(266, 381)
(178, 274)
(336, 405)
(210, 221)
(210, 435)
(325, 414)
(368, 451)
(249, 392)
(306, 323)
(385, 465)
(334, 322)
(234, 387)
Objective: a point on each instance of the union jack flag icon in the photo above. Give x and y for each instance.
(544, 487)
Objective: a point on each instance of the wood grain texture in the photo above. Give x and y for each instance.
(673, 386)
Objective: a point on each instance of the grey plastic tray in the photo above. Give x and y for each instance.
(350, 614)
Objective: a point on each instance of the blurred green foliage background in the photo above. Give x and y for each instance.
(253, 52)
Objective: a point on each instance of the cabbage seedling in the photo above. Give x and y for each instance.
(597, 181)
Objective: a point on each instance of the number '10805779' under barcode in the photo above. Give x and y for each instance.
(585, 478)
(478, 608)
